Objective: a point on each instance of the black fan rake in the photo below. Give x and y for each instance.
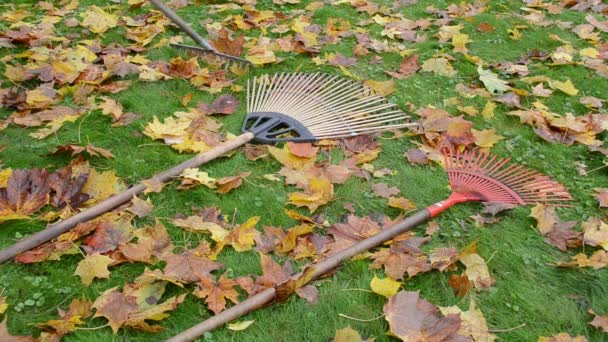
(298, 107)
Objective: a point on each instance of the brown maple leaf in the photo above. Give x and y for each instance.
(397, 262)
(407, 68)
(273, 274)
(116, 307)
(27, 191)
(225, 44)
(416, 156)
(108, 236)
(227, 184)
(442, 258)
(225, 104)
(189, 267)
(460, 283)
(153, 243)
(383, 190)
(215, 293)
(413, 319)
(67, 190)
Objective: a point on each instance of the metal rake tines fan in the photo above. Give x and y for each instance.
(473, 176)
(285, 107)
(206, 49)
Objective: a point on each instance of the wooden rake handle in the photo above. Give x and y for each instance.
(319, 268)
(177, 20)
(59, 228)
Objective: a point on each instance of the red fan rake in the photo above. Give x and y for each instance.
(473, 175)
(479, 176)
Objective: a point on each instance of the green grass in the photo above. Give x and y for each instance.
(528, 289)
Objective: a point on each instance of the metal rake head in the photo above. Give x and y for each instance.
(313, 106)
(485, 177)
(214, 56)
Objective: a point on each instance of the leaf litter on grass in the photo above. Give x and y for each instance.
(55, 79)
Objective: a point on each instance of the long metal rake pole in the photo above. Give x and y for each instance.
(177, 20)
(59, 228)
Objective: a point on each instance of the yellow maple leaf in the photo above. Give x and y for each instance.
(290, 160)
(460, 40)
(93, 266)
(439, 66)
(486, 138)
(401, 203)
(566, 87)
(261, 56)
(242, 238)
(97, 20)
(318, 192)
(383, 88)
(101, 185)
(199, 177)
(488, 110)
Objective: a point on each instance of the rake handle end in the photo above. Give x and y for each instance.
(54, 230)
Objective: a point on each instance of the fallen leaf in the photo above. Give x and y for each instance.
(383, 190)
(239, 326)
(439, 66)
(318, 192)
(545, 216)
(348, 334)
(227, 184)
(383, 88)
(486, 138)
(93, 266)
(595, 233)
(401, 203)
(242, 238)
(473, 324)
(491, 81)
(598, 260)
(386, 287)
(476, 268)
(407, 67)
(115, 307)
(97, 20)
(225, 104)
(566, 87)
(413, 319)
(461, 284)
(188, 267)
(216, 293)
(602, 196)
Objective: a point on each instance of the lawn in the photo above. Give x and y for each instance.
(531, 297)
